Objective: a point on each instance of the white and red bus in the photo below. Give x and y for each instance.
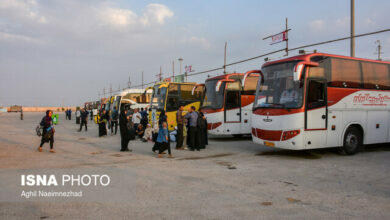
(227, 104)
(322, 100)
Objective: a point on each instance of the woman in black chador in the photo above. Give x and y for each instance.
(48, 131)
(102, 123)
(202, 131)
(124, 130)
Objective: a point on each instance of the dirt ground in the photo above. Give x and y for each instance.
(231, 179)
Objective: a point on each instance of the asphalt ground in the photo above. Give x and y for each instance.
(232, 178)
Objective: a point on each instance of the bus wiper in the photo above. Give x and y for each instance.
(279, 104)
(208, 106)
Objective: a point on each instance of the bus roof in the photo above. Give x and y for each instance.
(127, 91)
(183, 83)
(225, 76)
(307, 57)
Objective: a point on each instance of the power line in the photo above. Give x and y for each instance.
(276, 51)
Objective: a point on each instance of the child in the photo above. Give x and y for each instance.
(163, 141)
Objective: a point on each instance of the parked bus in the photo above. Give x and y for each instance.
(321, 100)
(227, 104)
(136, 98)
(168, 96)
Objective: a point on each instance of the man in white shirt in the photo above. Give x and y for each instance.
(78, 114)
(136, 119)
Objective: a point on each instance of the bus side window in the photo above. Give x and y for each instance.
(316, 94)
(345, 73)
(375, 76)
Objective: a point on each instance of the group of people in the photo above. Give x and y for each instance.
(190, 133)
(68, 114)
(191, 129)
(133, 123)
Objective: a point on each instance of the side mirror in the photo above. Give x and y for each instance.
(195, 87)
(219, 83)
(149, 88)
(247, 74)
(298, 70)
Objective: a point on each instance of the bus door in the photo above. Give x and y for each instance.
(232, 111)
(316, 111)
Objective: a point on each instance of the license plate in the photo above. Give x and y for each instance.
(271, 144)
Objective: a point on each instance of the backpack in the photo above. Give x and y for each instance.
(114, 116)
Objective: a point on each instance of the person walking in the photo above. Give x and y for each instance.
(83, 119)
(123, 129)
(114, 120)
(163, 141)
(48, 131)
(192, 117)
(102, 123)
(78, 114)
(21, 114)
(162, 118)
(91, 114)
(70, 114)
(180, 122)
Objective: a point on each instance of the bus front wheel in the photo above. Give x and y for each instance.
(352, 141)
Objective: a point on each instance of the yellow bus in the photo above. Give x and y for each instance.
(169, 96)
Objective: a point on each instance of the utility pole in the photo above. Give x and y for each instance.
(128, 83)
(110, 90)
(104, 92)
(142, 85)
(224, 60)
(379, 49)
(286, 36)
(173, 69)
(160, 74)
(280, 37)
(352, 28)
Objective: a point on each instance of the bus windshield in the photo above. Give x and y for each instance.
(158, 97)
(279, 90)
(212, 98)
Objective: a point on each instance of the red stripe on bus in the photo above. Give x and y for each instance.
(211, 126)
(336, 94)
(269, 135)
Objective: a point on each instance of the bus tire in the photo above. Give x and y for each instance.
(352, 141)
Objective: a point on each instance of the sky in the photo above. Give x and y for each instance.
(64, 52)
